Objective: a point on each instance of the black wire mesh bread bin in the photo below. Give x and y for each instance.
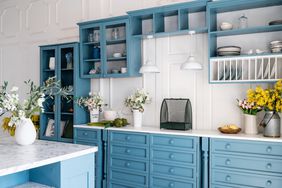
(176, 114)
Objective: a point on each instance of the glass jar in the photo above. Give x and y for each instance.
(115, 33)
(96, 36)
(90, 37)
(243, 22)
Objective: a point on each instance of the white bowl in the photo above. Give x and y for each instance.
(110, 115)
(116, 54)
(226, 26)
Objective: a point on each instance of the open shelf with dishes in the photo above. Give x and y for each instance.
(56, 122)
(235, 55)
(177, 19)
(113, 54)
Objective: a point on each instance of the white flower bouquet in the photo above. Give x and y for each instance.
(10, 102)
(91, 102)
(138, 100)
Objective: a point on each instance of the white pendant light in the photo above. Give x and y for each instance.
(191, 63)
(149, 66)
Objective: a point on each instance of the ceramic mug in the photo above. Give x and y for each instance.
(123, 70)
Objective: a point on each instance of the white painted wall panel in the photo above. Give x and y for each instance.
(26, 24)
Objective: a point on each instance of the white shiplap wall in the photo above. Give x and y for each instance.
(26, 24)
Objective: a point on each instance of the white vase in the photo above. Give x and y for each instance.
(137, 118)
(25, 133)
(250, 122)
(94, 115)
(52, 63)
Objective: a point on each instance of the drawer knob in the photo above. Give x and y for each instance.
(227, 146)
(127, 151)
(268, 149)
(228, 178)
(127, 138)
(269, 166)
(171, 141)
(171, 184)
(268, 183)
(171, 156)
(85, 133)
(228, 162)
(171, 170)
(127, 164)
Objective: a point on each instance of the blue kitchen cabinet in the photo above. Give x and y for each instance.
(106, 48)
(174, 161)
(64, 113)
(128, 159)
(238, 163)
(94, 137)
(153, 160)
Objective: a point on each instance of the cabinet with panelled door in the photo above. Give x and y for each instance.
(238, 163)
(94, 137)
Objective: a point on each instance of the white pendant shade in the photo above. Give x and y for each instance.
(148, 67)
(191, 64)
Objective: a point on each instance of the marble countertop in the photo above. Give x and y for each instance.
(15, 158)
(199, 133)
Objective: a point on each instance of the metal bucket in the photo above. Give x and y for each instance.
(271, 124)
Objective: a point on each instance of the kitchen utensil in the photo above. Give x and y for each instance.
(226, 26)
(116, 55)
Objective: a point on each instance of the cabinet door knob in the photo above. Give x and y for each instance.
(127, 151)
(171, 141)
(171, 170)
(228, 178)
(227, 146)
(268, 183)
(127, 164)
(127, 138)
(228, 162)
(85, 133)
(171, 184)
(269, 166)
(171, 156)
(268, 149)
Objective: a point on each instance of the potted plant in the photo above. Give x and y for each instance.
(250, 110)
(136, 102)
(93, 103)
(20, 124)
(270, 101)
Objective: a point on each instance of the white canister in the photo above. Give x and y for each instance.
(250, 122)
(137, 118)
(52, 63)
(94, 115)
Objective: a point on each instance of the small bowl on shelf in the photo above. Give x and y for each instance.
(226, 26)
(116, 55)
(229, 129)
(115, 71)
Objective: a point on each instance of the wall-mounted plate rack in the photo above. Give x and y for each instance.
(240, 69)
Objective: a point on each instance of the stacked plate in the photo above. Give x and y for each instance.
(276, 46)
(228, 50)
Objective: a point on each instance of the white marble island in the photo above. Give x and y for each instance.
(52, 164)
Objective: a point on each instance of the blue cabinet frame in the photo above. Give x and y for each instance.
(58, 108)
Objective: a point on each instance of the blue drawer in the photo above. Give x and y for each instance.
(167, 169)
(129, 151)
(227, 186)
(246, 179)
(167, 183)
(177, 142)
(128, 178)
(119, 185)
(183, 158)
(247, 163)
(87, 134)
(129, 138)
(129, 165)
(247, 147)
(83, 142)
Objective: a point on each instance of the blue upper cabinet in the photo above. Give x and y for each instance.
(62, 61)
(107, 49)
(244, 64)
(173, 19)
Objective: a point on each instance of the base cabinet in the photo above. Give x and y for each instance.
(238, 163)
